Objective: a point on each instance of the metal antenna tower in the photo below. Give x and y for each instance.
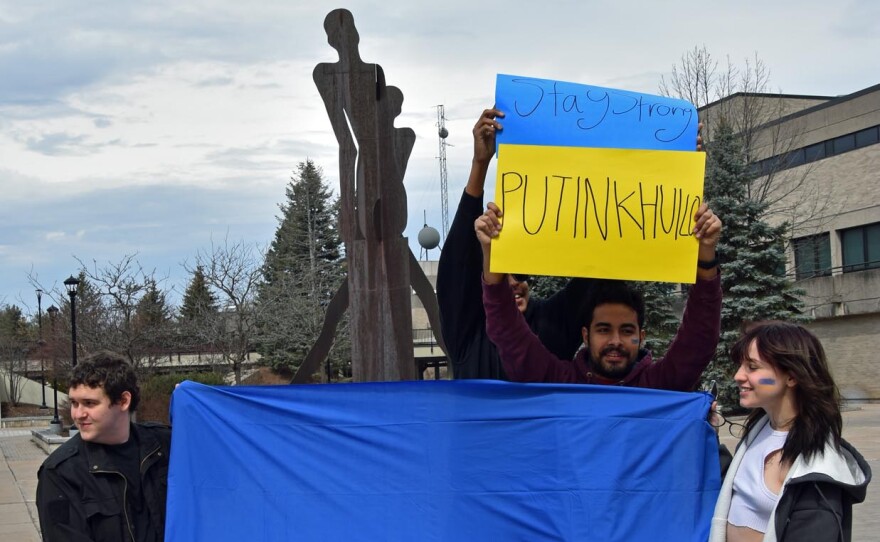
(444, 195)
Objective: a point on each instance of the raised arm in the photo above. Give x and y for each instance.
(694, 344)
(458, 281)
(484, 149)
(707, 230)
(487, 227)
(523, 356)
(459, 295)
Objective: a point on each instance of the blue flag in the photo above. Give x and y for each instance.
(440, 461)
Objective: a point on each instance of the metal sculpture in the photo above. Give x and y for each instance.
(382, 270)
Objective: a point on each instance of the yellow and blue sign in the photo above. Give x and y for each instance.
(596, 182)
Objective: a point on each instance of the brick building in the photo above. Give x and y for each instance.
(822, 155)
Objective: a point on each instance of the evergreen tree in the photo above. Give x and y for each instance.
(661, 320)
(152, 308)
(197, 312)
(14, 345)
(306, 242)
(752, 256)
(542, 287)
(302, 271)
(13, 325)
(198, 299)
(152, 324)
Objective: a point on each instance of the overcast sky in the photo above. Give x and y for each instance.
(154, 127)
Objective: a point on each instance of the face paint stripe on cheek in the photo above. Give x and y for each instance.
(767, 381)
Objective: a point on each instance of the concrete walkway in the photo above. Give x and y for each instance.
(20, 459)
(19, 462)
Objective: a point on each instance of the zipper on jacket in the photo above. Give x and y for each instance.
(144, 460)
(124, 499)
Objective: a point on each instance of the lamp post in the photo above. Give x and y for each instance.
(71, 283)
(56, 422)
(40, 345)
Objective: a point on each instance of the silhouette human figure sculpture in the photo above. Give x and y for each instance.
(373, 155)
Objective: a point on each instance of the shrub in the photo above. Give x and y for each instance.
(156, 393)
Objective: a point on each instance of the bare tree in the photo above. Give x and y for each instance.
(233, 270)
(695, 79)
(113, 311)
(741, 98)
(124, 287)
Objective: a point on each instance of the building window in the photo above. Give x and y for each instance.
(812, 256)
(869, 136)
(796, 158)
(844, 143)
(815, 152)
(861, 247)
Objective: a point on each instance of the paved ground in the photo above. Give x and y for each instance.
(20, 459)
(19, 462)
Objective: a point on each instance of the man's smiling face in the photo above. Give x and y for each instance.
(97, 419)
(613, 339)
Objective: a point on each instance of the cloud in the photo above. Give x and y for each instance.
(58, 144)
(31, 109)
(55, 48)
(164, 225)
(215, 82)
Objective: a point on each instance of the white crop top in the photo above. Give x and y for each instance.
(752, 501)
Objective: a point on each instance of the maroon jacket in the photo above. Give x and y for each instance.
(526, 360)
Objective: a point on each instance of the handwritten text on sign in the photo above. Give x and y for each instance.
(607, 213)
(547, 112)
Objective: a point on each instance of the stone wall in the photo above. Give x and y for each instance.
(851, 346)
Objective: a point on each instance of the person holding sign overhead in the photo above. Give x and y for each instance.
(556, 320)
(613, 331)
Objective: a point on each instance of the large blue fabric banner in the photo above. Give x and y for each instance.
(440, 461)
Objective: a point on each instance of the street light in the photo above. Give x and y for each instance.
(53, 312)
(71, 283)
(40, 345)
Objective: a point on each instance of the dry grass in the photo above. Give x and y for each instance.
(267, 377)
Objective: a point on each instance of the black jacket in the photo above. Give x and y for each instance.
(557, 321)
(81, 496)
(817, 506)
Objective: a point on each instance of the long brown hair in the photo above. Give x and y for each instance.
(793, 349)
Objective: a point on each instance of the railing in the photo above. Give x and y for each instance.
(428, 353)
(424, 337)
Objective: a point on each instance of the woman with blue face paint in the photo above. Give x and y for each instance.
(793, 477)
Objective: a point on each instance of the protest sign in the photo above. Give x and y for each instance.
(596, 182)
(591, 212)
